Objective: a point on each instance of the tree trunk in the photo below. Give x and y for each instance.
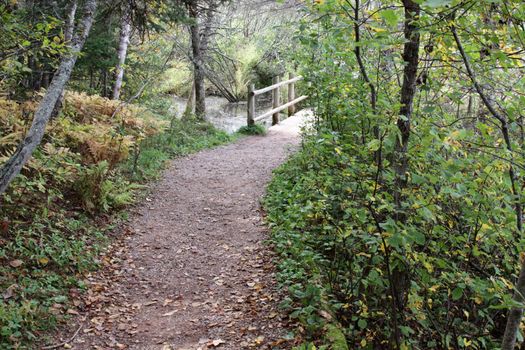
(44, 110)
(190, 105)
(198, 69)
(373, 92)
(125, 32)
(68, 36)
(70, 22)
(400, 276)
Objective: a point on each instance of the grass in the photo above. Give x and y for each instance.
(185, 136)
(254, 129)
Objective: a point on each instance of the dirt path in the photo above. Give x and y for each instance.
(192, 271)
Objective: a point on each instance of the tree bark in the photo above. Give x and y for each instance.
(68, 36)
(400, 276)
(70, 22)
(125, 32)
(190, 105)
(44, 110)
(198, 68)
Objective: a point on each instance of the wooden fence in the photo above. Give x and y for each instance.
(276, 99)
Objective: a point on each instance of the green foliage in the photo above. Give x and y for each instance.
(184, 136)
(30, 41)
(100, 191)
(53, 252)
(255, 129)
(346, 226)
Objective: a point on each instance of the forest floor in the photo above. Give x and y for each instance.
(191, 269)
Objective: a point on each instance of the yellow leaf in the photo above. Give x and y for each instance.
(434, 288)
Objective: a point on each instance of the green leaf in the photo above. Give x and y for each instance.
(457, 293)
(362, 323)
(374, 145)
(437, 3)
(390, 17)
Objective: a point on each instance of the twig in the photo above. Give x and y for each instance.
(66, 342)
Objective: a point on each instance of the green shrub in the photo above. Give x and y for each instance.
(99, 190)
(255, 129)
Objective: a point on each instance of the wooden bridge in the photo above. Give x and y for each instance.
(276, 99)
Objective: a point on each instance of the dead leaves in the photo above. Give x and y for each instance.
(217, 342)
(135, 298)
(10, 291)
(171, 313)
(16, 263)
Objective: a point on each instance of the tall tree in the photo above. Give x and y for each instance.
(125, 33)
(45, 108)
(197, 59)
(400, 277)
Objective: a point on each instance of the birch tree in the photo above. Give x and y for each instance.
(125, 33)
(45, 108)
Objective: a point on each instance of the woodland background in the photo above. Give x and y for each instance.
(399, 224)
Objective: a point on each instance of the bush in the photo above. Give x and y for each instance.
(333, 257)
(255, 129)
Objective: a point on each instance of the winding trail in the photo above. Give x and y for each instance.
(192, 271)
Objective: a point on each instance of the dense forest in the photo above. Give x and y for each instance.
(396, 224)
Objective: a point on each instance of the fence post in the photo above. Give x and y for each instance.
(291, 96)
(251, 104)
(276, 100)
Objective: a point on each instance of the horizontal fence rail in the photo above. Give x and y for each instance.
(280, 109)
(276, 99)
(275, 86)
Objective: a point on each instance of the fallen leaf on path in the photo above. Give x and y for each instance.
(217, 342)
(170, 313)
(259, 340)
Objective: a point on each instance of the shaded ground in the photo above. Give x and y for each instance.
(192, 271)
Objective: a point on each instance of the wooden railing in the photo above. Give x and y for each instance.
(276, 99)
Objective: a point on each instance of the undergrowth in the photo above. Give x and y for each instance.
(56, 216)
(332, 260)
(254, 129)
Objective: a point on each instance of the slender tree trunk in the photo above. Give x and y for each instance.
(400, 276)
(198, 69)
(70, 22)
(125, 32)
(68, 36)
(190, 105)
(373, 92)
(44, 110)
